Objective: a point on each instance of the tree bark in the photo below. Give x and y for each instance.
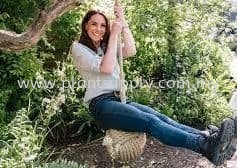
(11, 41)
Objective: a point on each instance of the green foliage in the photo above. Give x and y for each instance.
(39, 64)
(4, 129)
(63, 31)
(73, 118)
(62, 164)
(17, 15)
(144, 95)
(23, 143)
(13, 69)
(175, 41)
(150, 37)
(21, 65)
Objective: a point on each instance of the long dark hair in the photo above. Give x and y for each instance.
(86, 40)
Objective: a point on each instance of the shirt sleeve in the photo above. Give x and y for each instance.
(85, 59)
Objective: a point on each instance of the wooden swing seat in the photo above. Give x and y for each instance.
(124, 146)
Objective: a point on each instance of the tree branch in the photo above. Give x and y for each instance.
(10, 41)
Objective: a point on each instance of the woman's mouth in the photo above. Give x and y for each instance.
(98, 35)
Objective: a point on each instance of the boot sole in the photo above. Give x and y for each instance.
(231, 150)
(223, 150)
(233, 145)
(235, 122)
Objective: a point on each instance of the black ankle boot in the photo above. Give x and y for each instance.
(210, 129)
(217, 147)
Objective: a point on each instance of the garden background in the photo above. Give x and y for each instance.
(186, 40)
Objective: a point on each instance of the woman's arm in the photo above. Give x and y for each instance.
(129, 48)
(109, 60)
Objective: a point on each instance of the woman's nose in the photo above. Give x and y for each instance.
(98, 28)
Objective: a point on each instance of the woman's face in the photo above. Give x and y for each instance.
(96, 28)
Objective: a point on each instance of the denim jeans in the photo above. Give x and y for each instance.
(110, 113)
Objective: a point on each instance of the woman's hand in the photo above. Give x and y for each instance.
(129, 48)
(119, 14)
(117, 26)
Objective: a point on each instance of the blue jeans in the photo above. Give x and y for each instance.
(109, 113)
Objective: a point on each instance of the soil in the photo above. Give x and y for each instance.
(155, 155)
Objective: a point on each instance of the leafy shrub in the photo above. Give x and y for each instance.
(23, 144)
(175, 42)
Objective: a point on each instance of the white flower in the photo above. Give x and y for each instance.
(45, 101)
(61, 98)
(60, 73)
(39, 76)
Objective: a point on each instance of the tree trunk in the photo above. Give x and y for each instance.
(11, 41)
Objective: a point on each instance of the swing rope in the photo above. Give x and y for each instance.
(123, 146)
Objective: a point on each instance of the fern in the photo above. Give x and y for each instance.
(23, 144)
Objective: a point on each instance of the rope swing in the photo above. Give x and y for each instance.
(123, 146)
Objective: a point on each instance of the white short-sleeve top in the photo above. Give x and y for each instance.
(88, 65)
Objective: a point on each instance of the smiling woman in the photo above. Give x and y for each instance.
(107, 102)
(96, 28)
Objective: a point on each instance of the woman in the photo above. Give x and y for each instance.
(95, 56)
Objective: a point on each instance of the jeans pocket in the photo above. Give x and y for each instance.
(92, 108)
